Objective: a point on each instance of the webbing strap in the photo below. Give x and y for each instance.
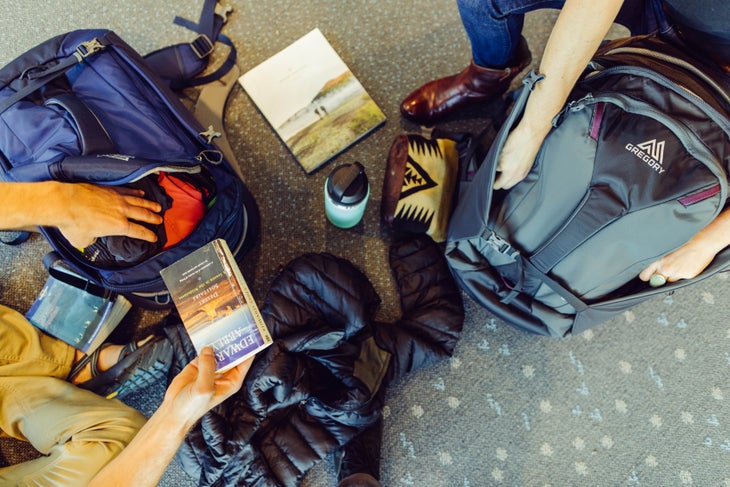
(40, 77)
(51, 260)
(181, 63)
(224, 68)
(207, 23)
(559, 289)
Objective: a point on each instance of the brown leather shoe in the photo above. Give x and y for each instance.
(475, 84)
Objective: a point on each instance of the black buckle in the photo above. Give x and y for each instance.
(202, 46)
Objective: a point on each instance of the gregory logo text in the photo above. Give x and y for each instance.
(651, 152)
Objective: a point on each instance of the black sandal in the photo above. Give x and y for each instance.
(137, 368)
(93, 361)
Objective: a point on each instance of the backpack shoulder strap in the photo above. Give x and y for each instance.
(180, 64)
(209, 111)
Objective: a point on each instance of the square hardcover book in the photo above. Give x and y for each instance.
(312, 100)
(216, 305)
(76, 311)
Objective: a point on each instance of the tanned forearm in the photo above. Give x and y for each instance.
(145, 459)
(716, 235)
(193, 392)
(82, 212)
(25, 205)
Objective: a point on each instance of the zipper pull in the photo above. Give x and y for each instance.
(572, 106)
(210, 156)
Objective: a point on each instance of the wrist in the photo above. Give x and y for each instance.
(537, 121)
(56, 208)
(706, 242)
(32, 204)
(532, 130)
(176, 422)
(715, 236)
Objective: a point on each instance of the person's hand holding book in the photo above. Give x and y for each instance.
(197, 388)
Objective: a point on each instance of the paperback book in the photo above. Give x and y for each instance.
(76, 311)
(312, 100)
(216, 305)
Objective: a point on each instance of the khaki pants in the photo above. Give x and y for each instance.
(77, 431)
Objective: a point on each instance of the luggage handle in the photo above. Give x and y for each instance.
(94, 137)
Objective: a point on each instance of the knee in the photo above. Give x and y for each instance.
(472, 6)
(115, 425)
(486, 12)
(109, 436)
(482, 8)
(125, 424)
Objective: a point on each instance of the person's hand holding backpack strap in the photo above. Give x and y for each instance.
(563, 61)
(517, 157)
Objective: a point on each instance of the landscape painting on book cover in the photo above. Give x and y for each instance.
(312, 99)
(216, 305)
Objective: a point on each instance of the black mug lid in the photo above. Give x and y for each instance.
(347, 184)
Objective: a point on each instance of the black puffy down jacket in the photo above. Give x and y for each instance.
(323, 379)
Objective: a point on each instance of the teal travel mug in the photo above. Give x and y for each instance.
(346, 193)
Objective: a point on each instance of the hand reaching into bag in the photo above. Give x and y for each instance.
(686, 262)
(82, 212)
(517, 157)
(692, 258)
(102, 211)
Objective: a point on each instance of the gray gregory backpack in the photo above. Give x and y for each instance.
(635, 165)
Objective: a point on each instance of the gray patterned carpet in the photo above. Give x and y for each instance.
(641, 400)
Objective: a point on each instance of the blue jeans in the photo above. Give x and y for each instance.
(494, 27)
